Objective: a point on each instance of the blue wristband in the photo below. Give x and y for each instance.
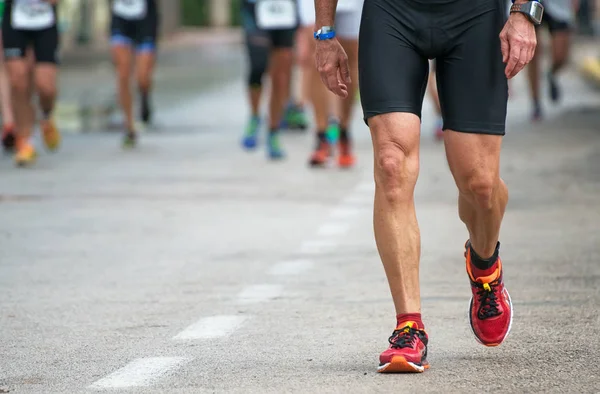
(324, 36)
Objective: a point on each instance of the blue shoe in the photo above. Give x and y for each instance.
(274, 150)
(250, 139)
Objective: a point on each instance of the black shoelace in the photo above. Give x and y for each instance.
(403, 337)
(488, 301)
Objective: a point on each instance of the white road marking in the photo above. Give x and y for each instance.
(141, 372)
(259, 293)
(316, 247)
(212, 327)
(293, 267)
(332, 229)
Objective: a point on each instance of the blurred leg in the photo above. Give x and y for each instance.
(123, 59)
(145, 61)
(8, 117)
(19, 73)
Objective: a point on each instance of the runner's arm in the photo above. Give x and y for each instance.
(325, 12)
(330, 58)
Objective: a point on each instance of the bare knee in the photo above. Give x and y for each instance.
(46, 90)
(123, 78)
(282, 60)
(396, 171)
(396, 147)
(20, 84)
(479, 188)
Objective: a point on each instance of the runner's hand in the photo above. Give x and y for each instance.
(518, 42)
(332, 63)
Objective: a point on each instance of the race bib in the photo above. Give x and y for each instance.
(276, 14)
(32, 15)
(130, 9)
(348, 5)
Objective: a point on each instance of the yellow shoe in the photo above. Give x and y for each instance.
(25, 155)
(51, 135)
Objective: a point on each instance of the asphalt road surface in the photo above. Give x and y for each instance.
(190, 266)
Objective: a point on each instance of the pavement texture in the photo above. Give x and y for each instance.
(190, 266)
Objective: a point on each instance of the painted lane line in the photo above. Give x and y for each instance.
(318, 247)
(141, 372)
(212, 327)
(332, 229)
(292, 267)
(259, 293)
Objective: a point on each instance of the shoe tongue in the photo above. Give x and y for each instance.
(488, 278)
(410, 324)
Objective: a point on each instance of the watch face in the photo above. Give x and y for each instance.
(536, 12)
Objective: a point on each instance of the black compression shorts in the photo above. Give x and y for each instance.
(16, 41)
(141, 34)
(397, 37)
(555, 25)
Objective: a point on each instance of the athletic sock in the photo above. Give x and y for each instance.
(484, 267)
(344, 135)
(406, 317)
(321, 136)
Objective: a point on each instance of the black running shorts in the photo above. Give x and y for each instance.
(397, 37)
(16, 41)
(555, 25)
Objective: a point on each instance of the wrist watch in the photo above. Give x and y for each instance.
(325, 33)
(534, 10)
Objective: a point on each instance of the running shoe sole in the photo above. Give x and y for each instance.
(509, 324)
(400, 365)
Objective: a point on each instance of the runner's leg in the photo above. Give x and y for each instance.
(145, 61)
(280, 71)
(258, 44)
(560, 44)
(45, 76)
(533, 75)
(474, 122)
(8, 118)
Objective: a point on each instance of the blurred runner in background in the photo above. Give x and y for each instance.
(134, 31)
(270, 32)
(8, 119)
(31, 23)
(347, 24)
(559, 19)
(295, 112)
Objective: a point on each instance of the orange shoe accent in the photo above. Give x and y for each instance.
(400, 365)
(346, 159)
(321, 155)
(51, 135)
(25, 154)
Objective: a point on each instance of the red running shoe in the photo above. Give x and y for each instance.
(490, 309)
(407, 351)
(321, 155)
(346, 159)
